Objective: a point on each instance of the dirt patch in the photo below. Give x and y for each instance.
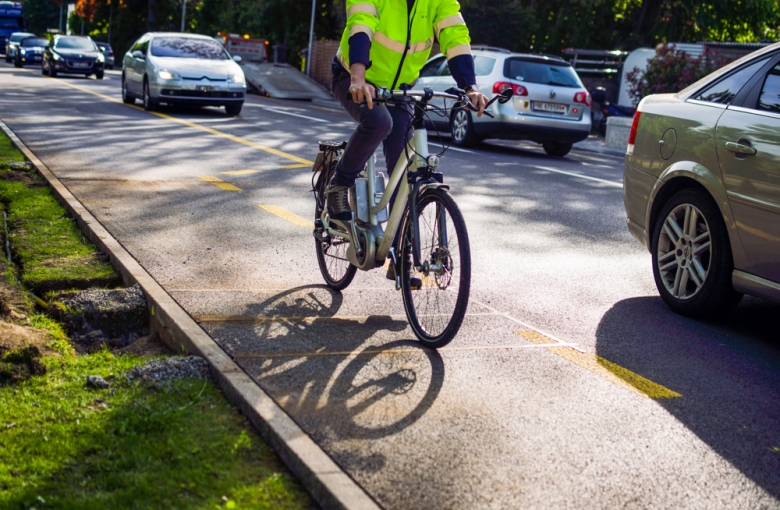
(15, 176)
(149, 345)
(14, 336)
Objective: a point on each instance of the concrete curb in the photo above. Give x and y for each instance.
(330, 487)
(599, 149)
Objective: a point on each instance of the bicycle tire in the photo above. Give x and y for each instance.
(436, 330)
(337, 275)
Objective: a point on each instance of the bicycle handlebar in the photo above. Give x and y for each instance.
(384, 95)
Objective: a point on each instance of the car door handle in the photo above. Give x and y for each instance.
(740, 148)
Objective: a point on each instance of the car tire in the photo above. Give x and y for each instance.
(462, 129)
(52, 71)
(233, 109)
(17, 61)
(149, 104)
(556, 149)
(126, 97)
(99, 75)
(7, 58)
(693, 273)
(43, 68)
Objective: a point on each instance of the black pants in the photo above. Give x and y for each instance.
(386, 124)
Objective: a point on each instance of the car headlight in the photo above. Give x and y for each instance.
(164, 74)
(55, 56)
(101, 58)
(236, 77)
(22, 51)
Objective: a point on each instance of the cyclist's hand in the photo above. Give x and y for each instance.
(360, 90)
(479, 101)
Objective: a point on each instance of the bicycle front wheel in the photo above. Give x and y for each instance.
(436, 297)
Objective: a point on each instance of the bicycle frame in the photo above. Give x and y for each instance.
(417, 156)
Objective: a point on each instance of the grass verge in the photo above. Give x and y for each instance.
(64, 445)
(48, 246)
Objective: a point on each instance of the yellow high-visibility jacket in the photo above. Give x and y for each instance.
(393, 30)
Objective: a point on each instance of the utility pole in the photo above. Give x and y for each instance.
(59, 27)
(110, 18)
(183, 13)
(311, 38)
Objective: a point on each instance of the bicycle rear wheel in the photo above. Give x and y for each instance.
(437, 306)
(331, 251)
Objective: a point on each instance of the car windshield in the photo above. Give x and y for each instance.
(34, 41)
(544, 73)
(76, 43)
(187, 47)
(19, 37)
(11, 22)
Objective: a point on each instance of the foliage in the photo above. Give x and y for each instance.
(671, 70)
(522, 25)
(63, 445)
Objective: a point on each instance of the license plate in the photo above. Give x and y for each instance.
(205, 88)
(81, 65)
(549, 107)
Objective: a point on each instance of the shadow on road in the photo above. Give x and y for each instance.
(340, 379)
(728, 372)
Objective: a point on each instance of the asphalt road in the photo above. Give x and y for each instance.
(571, 385)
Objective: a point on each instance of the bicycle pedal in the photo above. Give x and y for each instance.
(415, 283)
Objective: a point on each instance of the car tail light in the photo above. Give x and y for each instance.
(632, 134)
(501, 86)
(583, 98)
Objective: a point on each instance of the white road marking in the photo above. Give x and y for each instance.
(276, 110)
(451, 148)
(572, 174)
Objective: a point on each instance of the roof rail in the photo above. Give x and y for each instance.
(480, 47)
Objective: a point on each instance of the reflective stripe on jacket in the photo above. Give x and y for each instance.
(386, 22)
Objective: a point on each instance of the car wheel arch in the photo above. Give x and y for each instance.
(683, 175)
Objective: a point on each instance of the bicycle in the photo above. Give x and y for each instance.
(433, 260)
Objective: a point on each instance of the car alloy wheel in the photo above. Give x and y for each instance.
(684, 251)
(692, 261)
(461, 129)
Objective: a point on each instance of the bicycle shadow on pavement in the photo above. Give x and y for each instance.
(727, 370)
(341, 378)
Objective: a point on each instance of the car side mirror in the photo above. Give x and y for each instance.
(137, 54)
(237, 59)
(506, 96)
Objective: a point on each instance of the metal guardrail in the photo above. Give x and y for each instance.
(599, 62)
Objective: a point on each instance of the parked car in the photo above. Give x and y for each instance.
(30, 51)
(13, 42)
(73, 55)
(175, 68)
(108, 53)
(550, 105)
(702, 186)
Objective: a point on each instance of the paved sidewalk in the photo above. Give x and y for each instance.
(595, 143)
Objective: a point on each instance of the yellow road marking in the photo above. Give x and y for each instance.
(301, 161)
(247, 172)
(605, 368)
(287, 216)
(218, 183)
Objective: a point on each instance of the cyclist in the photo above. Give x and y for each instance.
(385, 44)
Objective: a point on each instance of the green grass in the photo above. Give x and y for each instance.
(141, 447)
(46, 244)
(8, 152)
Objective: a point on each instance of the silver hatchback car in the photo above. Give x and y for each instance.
(550, 104)
(702, 186)
(175, 68)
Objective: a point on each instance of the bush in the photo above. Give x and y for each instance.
(672, 70)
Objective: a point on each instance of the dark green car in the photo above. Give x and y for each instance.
(702, 186)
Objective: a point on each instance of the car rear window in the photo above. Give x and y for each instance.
(726, 89)
(541, 72)
(38, 41)
(185, 47)
(770, 92)
(76, 43)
